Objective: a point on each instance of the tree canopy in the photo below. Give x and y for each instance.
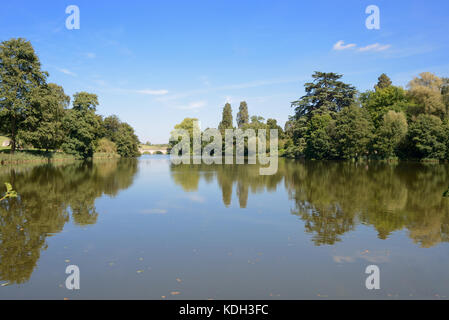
(325, 94)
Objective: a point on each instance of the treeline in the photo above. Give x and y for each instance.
(243, 121)
(334, 121)
(36, 113)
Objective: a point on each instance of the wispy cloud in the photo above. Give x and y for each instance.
(152, 92)
(91, 55)
(193, 105)
(196, 198)
(375, 47)
(238, 86)
(67, 72)
(340, 45)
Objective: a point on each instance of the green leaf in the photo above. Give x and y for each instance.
(446, 193)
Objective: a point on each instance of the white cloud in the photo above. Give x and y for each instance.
(195, 198)
(91, 55)
(152, 92)
(340, 45)
(238, 86)
(67, 72)
(375, 47)
(193, 105)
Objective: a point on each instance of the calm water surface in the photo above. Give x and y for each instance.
(145, 229)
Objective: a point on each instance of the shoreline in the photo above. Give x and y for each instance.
(30, 158)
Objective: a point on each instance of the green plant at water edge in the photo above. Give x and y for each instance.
(10, 193)
(446, 193)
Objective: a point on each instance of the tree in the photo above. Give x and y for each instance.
(42, 126)
(188, 124)
(383, 82)
(426, 92)
(127, 141)
(319, 141)
(111, 126)
(84, 101)
(445, 93)
(81, 125)
(428, 80)
(273, 124)
(391, 132)
(242, 115)
(20, 76)
(325, 94)
(106, 146)
(379, 102)
(226, 122)
(427, 135)
(353, 132)
(296, 130)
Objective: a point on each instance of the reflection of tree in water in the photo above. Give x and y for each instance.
(47, 195)
(246, 178)
(332, 198)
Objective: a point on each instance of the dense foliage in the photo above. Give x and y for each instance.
(333, 121)
(34, 113)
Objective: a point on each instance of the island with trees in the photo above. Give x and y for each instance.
(334, 121)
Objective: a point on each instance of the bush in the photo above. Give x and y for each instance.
(427, 137)
(106, 146)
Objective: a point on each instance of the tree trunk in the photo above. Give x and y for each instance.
(13, 136)
(13, 143)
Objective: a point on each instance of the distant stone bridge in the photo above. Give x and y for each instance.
(153, 151)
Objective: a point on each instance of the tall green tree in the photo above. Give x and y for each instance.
(353, 132)
(42, 126)
(111, 125)
(273, 124)
(20, 76)
(84, 101)
(81, 125)
(127, 141)
(226, 121)
(428, 136)
(390, 134)
(325, 94)
(242, 115)
(379, 102)
(320, 144)
(426, 92)
(383, 82)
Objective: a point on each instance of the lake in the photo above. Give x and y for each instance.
(147, 229)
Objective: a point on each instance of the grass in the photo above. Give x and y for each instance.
(2, 139)
(24, 156)
(29, 156)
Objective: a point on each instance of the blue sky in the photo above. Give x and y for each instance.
(153, 63)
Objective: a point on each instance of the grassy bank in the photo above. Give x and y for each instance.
(31, 156)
